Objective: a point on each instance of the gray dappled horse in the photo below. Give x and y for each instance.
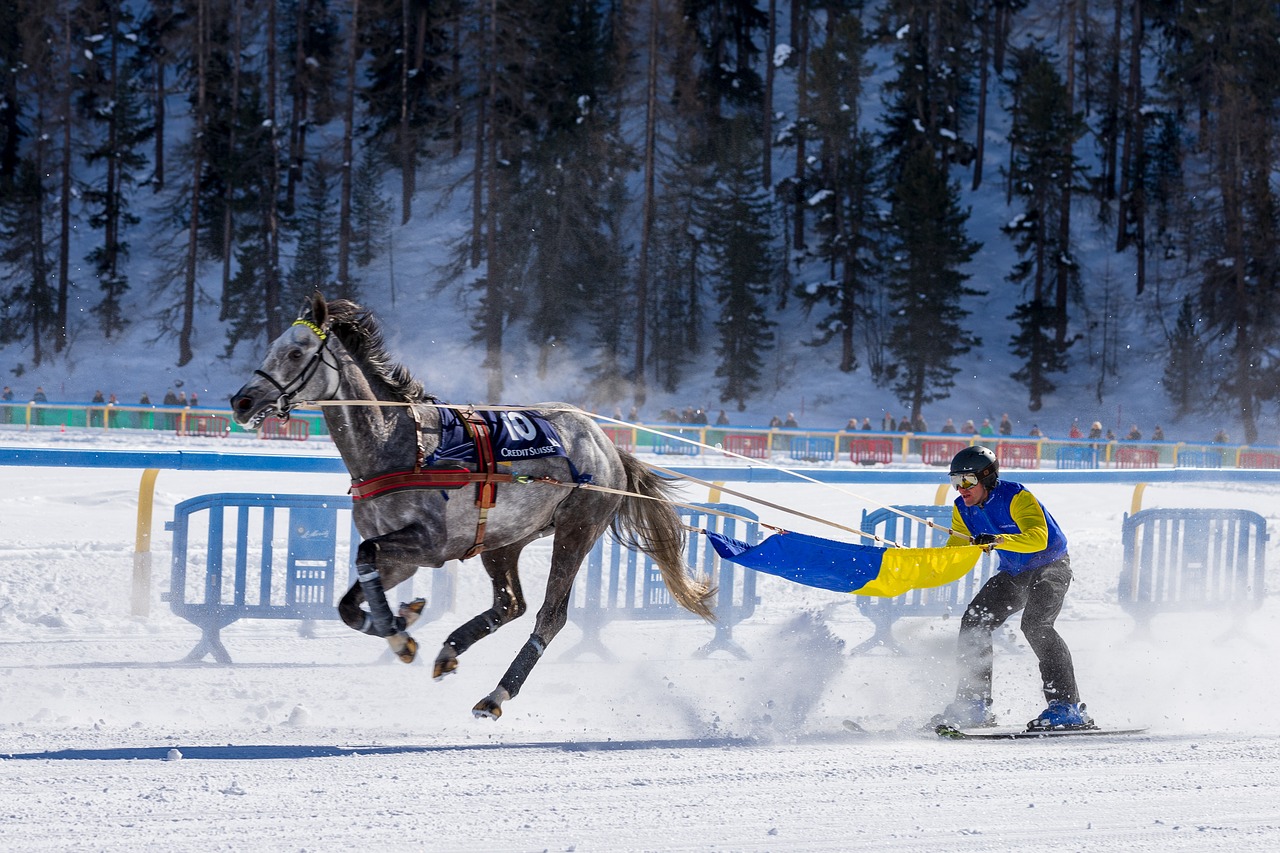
(410, 512)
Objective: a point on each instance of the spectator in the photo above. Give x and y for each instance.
(1221, 437)
(722, 419)
(1075, 429)
(7, 395)
(95, 417)
(904, 425)
(97, 397)
(1095, 429)
(1035, 431)
(1006, 425)
(182, 398)
(1111, 436)
(112, 401)
(949, 427)
(920, 424)
(852, 424)
(887, 423)
(866, 423)
(145, 399)
(1135, 434)
(986, 429)
(790, 422)
(969, 428)
(700, 417)
(171, 397)
(1157, 434)
(775, 422)
(668, 416)
(39, 396)
(634, 414)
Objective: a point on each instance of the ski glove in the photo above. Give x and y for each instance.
(986, 540)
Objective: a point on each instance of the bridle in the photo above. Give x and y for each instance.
(285, 402)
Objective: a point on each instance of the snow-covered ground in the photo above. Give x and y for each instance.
(109, 742)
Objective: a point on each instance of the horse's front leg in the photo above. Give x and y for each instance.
(502, 565)
(382, 563)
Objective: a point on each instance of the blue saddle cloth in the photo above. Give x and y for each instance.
(515, 435)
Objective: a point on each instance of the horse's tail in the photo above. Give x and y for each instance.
(650, 524)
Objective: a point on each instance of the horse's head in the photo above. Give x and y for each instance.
(299, 366)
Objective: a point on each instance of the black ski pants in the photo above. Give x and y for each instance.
(1038, 593)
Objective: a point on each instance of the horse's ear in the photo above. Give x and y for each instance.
(319, 309)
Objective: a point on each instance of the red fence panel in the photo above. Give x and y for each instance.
(290, 429)
(1137, 457)
(869, 451)
(1259, 459)
(940, 451)
(747, 444)
(623, 438)
(1018, 454)
(205, 426)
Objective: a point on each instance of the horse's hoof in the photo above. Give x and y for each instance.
(404, 647)
(411, 611)
(444, 666)
(487, 709)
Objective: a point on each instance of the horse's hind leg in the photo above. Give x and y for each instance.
(569, 550)
(502, 564)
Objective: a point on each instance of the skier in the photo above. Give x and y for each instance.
(1034, 573)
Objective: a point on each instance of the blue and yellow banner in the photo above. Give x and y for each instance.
(845, 567)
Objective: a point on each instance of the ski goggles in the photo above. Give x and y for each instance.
(964, 481)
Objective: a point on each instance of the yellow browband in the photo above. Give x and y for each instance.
(320, 333)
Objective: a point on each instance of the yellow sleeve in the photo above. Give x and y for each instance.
(961, 536)
(1029, 516)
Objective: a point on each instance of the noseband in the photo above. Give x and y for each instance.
(285, 402)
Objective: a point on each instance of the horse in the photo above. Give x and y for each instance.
(391, 434)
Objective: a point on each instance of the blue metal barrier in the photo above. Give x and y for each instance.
(1077, 456)
(936, 601)
(232, 586)
(1192, 559)
(808, 448)
(1200, 459)
(667, 446)
(618, 583)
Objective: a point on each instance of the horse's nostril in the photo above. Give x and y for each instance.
(241, 404)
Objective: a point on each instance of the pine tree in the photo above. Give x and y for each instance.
(314, 256)
(370, 211)
(736, 219)
(844, 189)
(26, 270)
(1041, 171)
(926, 285)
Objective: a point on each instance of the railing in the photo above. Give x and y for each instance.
(865, 447)
(268, 557)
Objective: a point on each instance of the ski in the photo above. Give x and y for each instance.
(952, 733)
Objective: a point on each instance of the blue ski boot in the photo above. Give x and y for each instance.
(1062, 715)
(964, 714)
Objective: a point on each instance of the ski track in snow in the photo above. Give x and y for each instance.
(322, 744)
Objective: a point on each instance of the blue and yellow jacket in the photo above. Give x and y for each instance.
(1031, 537)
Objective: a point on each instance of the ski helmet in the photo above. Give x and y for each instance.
(979, 463)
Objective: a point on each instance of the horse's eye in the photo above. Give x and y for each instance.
(295, 353)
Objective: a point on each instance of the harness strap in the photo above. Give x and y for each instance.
(426, 478)
(486, 474)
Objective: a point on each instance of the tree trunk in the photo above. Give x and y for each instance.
(639, 386)
(1063, 271)
(64, 193)
(766, 137)
(345, 286)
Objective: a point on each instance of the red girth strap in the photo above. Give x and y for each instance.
(428, 478)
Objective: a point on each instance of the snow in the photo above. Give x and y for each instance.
(108, 742)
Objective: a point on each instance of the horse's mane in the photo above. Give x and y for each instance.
(362, 336)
